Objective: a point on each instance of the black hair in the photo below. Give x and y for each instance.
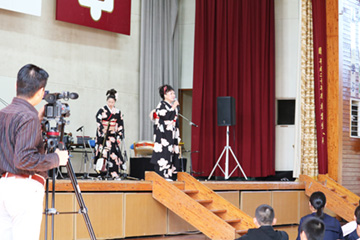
(318, 201)
(164, 89)
(30, 79)
(357, 214)
(314, 228)
(264, 214)
(111, 94)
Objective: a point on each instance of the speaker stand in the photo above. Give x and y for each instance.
(226, 150)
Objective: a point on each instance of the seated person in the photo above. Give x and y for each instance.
(264, 219)
(312, 228)
(356, 233)
(332, 226)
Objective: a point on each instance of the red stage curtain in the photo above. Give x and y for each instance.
(320, 75)
(234, 56)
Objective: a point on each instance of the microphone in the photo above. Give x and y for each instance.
(178, 106)
(193, 124)
(80, 128)
(74, 95)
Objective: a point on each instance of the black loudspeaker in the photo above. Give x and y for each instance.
(180, 164)
(138, 166)
(226, 111)
(285, 112)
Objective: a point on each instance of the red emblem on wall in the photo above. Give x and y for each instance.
(109, 15)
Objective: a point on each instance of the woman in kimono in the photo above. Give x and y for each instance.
(110, 132)
(166, 134)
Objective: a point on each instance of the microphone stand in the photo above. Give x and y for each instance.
(190, 122)
(85, 155)
(191, 152)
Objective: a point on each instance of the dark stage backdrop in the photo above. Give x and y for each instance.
(234, 56)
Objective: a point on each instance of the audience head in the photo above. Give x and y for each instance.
(163, 90)
(264, 215)
(318, 201)
(30, 80)
(312, 228)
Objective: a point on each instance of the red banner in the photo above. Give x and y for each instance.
(109, 15)
(320, 78)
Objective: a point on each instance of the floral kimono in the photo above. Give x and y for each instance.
(166, 140)
(110, 125)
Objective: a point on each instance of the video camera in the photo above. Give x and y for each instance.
(56, 110)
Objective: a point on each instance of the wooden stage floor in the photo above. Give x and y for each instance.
(177, 237)
(146, 186)
(120, 200)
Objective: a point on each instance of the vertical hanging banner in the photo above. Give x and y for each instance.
(320, 79)
(32, 7)
(109, 15)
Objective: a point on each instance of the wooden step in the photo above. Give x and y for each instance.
(230, 221)
(338, 199)
(204, 201)
(191, 191)
(218, 203)
(241, 231)
(351, 198)
(218, 211)
(186, 207)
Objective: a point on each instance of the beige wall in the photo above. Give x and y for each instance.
(79, 59)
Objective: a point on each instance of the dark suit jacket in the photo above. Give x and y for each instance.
(332, 227)
(265, 233)
(352, 236)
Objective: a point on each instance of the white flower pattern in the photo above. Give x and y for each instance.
(166, 140)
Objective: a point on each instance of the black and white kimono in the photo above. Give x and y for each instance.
(166, 140)
(112, 151)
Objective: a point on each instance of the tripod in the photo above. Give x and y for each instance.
(226, 150)
(52, 211)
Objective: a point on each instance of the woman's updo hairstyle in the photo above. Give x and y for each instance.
(318, 201)
(111, 94)
(164, 89)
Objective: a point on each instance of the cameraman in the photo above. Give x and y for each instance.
(23, 163)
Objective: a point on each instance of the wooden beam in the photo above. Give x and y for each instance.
(334, 92)
(108, 186)
(243, 185)
(145, 186)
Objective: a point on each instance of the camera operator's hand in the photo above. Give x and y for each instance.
(63, 156)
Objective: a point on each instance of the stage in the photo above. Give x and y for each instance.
(121, 209)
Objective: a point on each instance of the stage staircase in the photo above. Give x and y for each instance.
(201, 207)
(338, 199)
